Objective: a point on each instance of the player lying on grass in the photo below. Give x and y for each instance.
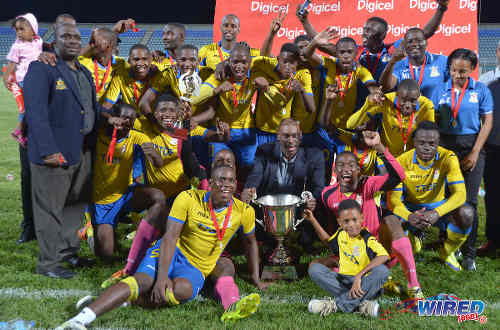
(433, 194)
(175, 267)
(361, 271)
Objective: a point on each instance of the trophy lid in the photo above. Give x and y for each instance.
(278, 200)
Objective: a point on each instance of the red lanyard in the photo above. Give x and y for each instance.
(343, 90)
(236, 100)
(99, 87)
(172, 62)
(456, 107)
(136, 91)
(220, 233)
(111, 148)
(220, 54)
(288, 85)
(422, 69)
(363, 156)
(400, 121)
(375, 65)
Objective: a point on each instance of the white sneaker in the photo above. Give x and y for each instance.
(322, 307)
(71, 325)
(369, 308)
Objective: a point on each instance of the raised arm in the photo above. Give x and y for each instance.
(329, 49)
(373, 105)
(387, 79)
(321, 39)
(276, 24)
(433, 24)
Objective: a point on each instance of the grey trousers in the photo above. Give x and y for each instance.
(338, 285)
(60, 196)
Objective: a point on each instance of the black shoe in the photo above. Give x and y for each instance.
(27, 235)
(80, 262)
(469, 264)
(58, 272)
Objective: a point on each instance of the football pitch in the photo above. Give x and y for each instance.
(49, 302)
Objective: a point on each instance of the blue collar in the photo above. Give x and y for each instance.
(395, 105)
(222, 48)
(428, 59)
(415, 160)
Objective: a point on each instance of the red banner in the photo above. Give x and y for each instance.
(457, 29)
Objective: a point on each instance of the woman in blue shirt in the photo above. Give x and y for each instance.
(464, 108)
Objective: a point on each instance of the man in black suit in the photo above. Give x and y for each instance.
(61, 112)
(283, 167)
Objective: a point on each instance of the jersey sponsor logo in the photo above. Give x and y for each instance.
(473, 97)
(434, 71)
(425, 187)
(352, 258)
(164, 151)
(372, 6)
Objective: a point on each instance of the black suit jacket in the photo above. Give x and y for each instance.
(54, 111)
(309, 171)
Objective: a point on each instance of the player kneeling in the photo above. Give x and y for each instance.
(361, 271)
(199, 227)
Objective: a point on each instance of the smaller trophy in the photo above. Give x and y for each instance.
(189, 86)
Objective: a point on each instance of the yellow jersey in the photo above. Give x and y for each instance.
(212, 54)
(436, 185)
(277, 103)
(355, 253)
(237, 117)
(167, 81)
(343, 107)
(111, 181)
(117, 64)
(124, 86)
(170, 177)
(394, 134)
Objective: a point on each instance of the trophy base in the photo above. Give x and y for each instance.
(285, 272)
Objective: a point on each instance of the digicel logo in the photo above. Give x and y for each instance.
(374, 5)
(423, 5)
(267, 8)
(468, 4)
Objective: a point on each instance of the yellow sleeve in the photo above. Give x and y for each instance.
(364, 114)
(427, 108)
(140, 138)
(198, 131)
(395, 202)
(166, 81)
(304, 76)
(180, 208)
(376, 247)
(248, 220)
(202, 55)
(364, 75)
(113, 92)
(206, 90)
(345, 136)
(456, 186)
(254, 52)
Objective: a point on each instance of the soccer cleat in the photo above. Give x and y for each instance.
(131, 235)
(469, 264)
(71, 325)
(84, 302)
(243, 308)
(115, 278)
(369, 308)
(416, 243)
(392, 286)
(83, 232)
(322, 307)
(450, 260)
(415, 293)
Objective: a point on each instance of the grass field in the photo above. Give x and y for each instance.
(49, 302)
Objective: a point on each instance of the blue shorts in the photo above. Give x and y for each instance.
(243, 144)
(110, 213)
(264, 137)
(179, 267)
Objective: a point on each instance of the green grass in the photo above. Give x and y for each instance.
(284, 304)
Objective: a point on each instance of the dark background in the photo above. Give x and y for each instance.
(183, 11)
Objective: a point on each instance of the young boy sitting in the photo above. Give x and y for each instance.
(361, 271)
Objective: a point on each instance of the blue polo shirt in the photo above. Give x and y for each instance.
(435, 72)
(368, 60)
(477, 101)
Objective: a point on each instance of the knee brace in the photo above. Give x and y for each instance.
(133, 286)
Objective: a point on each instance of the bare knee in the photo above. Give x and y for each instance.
(183, 290)
(224, 267)
(104, 241)
(158, 198)
(393, 226)
(464, 216)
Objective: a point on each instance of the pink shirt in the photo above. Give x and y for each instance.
(23, 53)
(332, 196)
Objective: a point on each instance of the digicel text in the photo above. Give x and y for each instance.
(374, 5)
(266, 8)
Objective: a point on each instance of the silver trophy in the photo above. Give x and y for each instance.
(279, 219)
(189, 85)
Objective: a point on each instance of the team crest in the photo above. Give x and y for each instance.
(60, 85)
(434, 71)
(473, 97)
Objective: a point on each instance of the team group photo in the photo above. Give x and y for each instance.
(247, 164)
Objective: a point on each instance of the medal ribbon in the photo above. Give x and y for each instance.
(99, 87)
(220, 233)
(400, 121)
(369, 64)
(421, 78)
(236, 100)
(111, 148)
(136, 91)
(220, 54)
(456, 107)
(342, 90)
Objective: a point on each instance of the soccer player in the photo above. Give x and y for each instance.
(215, 53)
(100, 61)
(400, 114)
(429, 70)
(173, 39)
(361, 271)
(433, 194)
(465, 108)
(118, 161)
(349, 185)
(176, 266)
(231, 102)
(345, 72)
(374, 54)
(130, 84)
(281, 88)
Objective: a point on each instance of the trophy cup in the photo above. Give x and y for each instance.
(189, 86)
(279, 220)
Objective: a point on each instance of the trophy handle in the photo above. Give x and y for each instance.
(297, 223)
(260, 222)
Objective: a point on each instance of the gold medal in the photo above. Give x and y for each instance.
(454, 123)
(283, 111)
